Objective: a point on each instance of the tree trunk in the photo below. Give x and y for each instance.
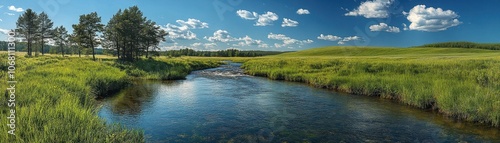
(62, 51)
(42, 45)
(92, 46)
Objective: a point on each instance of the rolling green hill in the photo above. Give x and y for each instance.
(385, 51)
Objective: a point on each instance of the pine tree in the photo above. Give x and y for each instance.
(27, 25)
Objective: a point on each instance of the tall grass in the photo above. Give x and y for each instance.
(56, 96)
(164, 69)
(55, 101)
(454, 82)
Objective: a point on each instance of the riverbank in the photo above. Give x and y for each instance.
(462, 83)
(56, 96)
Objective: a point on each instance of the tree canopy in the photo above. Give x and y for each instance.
(86, 31)
(27, 27)
(130, 35)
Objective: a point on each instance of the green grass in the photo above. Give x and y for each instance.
(56, 96)
(463, 83)
(164, 69)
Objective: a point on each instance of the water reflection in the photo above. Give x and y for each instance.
(221, 105)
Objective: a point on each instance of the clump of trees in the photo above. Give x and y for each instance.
(130, 35)
(28, 27)
(85, 32)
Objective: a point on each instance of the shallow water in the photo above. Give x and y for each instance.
(223, 104)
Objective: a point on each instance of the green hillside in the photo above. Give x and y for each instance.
(386, 51)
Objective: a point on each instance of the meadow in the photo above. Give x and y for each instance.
(55, 96)
(461, 83)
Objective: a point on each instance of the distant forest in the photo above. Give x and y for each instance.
(220, 53)
(21, 46)
(469, 45)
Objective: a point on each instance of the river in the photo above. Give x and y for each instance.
(224, 105)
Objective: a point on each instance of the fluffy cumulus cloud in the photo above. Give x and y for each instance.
(350, 38)
(340, 40)
(329, 37)
(220, 36)
(182, 31)
(384, 27)
(289, 23)
(248, 41)
(16, 9)
(192, 23)
(303, 11)
(261, 20)
(287, 41)
(431, 19)
(247, 14)
(372, 9)
(266, 19)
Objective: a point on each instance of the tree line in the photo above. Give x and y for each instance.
(470, 45)
(128, 34)
(220, 53)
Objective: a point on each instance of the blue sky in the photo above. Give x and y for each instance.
(288, 24)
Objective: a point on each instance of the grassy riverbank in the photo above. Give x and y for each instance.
(462, 83)
(55, 96)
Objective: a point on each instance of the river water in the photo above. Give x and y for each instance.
(224, 105)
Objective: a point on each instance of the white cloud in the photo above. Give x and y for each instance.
(220, 36)
(287, 41)
(248, 41)
(303, 11)
(196, 44)
(262, 20)
(277, 36)
(13, 8)
(308, 41)
(329, 37)
(193, 23)
(405, 27)
(247, 14)
(340, 40)
(431, 19)
(372, 9)
(210, 45)
(10, 14)
(182, 31)
(384, 27)
(263, 46)
(266, 19)
(289, 23)
(347, 39)
(4, 31)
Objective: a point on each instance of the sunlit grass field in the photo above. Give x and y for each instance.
(463, 83)
(55, 96)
